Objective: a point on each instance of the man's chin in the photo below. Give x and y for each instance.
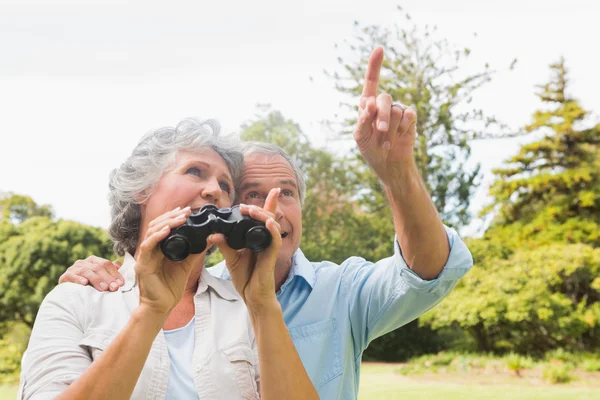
(284, 258)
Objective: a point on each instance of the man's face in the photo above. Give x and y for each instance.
(262, 173)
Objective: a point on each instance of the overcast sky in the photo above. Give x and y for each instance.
(81, 81)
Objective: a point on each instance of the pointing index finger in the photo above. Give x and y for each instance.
(372, 73)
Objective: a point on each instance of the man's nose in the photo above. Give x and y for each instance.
(278, 213)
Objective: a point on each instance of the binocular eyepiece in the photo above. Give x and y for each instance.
(241, 232)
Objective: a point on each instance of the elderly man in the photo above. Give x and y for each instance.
(334, 311)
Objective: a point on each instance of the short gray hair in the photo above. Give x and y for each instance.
(252, 147)
(132, 183)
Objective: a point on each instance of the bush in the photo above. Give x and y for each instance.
(516, 363)
(557, 373)
(540, 299)
(403, 343)
(10, 362)
(562, 355)
(12, 346)
(591, 365)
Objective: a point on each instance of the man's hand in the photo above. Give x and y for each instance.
(253, 274)
(385, 133)
(102, 274)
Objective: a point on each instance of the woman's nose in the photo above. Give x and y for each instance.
(212, 190)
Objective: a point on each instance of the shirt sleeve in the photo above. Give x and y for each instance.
(53, 359)
(386, 295)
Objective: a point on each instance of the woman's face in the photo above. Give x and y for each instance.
(197, 178)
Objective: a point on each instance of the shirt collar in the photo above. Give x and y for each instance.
(206, 280)
(300, 267)
(221, 287)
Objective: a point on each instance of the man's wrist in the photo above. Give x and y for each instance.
(264, 309)
(403, 177)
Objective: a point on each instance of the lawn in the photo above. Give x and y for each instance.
(382, 382)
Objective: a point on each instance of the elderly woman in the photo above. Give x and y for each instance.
(172, 330)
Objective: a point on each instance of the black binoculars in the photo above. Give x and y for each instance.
(241, 232)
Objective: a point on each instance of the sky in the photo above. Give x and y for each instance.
(81, 81)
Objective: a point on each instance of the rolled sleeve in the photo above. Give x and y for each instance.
(458, 264)
(387, 294)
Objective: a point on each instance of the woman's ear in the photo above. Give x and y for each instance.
(141, 197)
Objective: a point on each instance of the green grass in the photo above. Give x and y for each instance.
(8, 393)
(382, 382)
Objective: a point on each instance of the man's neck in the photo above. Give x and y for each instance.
(282, 271)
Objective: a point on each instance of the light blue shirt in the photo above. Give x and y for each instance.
(334, 311)
(180, 343)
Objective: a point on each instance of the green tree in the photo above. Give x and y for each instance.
(18, 208)
(536, 300)
(550, 191)
(426, 72)
(33, 255)
(535, 285)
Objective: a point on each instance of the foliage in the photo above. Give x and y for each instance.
(517, 363)
(33, 255)
(425, 71)
(535, 286)
(557, 373)
(17, 208)
(550, 191)
(388, 347)
(12, 346)
(591, 365)
(535, 301)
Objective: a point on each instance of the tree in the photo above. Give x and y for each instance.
(550, 191)
(421, 70)
(33, 255)
(536, 283)
(537, 300)
(18, 208)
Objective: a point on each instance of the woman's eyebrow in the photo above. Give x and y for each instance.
(194, 163)
(226, 177)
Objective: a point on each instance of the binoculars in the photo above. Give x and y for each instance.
(241, 232)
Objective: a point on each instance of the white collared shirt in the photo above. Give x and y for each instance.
(76, 323)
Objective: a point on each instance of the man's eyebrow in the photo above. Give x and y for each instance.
(249, 185)
(288, 182)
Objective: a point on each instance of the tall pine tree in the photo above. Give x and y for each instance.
(550, 191)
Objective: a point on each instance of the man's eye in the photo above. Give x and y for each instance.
(253, 195)
(287, 193)
(194, 171)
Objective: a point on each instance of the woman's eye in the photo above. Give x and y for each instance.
(194, 171)
(225, 187)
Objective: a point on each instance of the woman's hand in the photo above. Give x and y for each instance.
(253, 274)
(162, 282)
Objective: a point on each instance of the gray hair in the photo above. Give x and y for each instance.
(132, 183)
(252, 147)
